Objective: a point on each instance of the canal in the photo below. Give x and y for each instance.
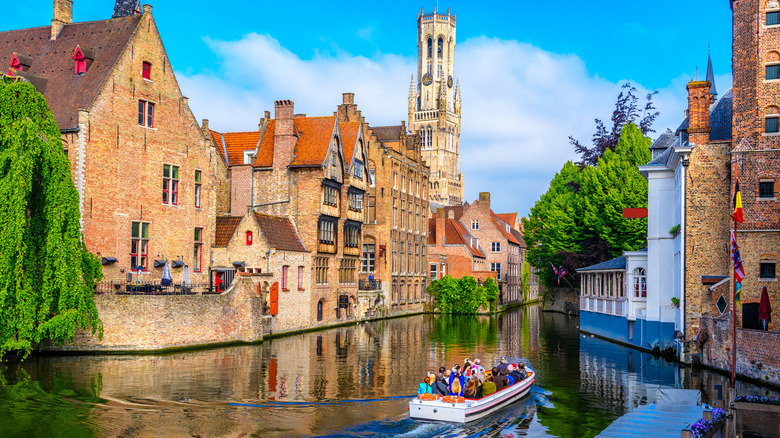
(348, 381)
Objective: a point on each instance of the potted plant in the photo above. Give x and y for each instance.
(676, 302)
(675, 230)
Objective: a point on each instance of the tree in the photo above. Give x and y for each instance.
(579, 221)
(464, 296)
(46, 274)
(626, 112)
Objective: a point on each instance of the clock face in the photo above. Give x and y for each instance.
(427, 79)
(449, 81)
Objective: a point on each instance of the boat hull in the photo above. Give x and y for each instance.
(469, 410)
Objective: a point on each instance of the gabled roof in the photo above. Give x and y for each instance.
(265, 154)
(65, 92)
(235, 143)
(509, 218)
(280, 233)
(314, 135)
(618, 264)
(504, 228)
(349, 137)
(387, 133)
(519, 236)
(664, 140)
(456, 233)
(225, 227)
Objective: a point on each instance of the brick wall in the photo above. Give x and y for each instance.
(137, 323)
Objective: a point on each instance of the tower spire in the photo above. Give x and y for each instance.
(710, 74)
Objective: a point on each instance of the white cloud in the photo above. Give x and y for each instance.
(520, 103)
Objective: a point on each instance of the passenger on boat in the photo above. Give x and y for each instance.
(425, 386)
(516, 376)
(489, 387)
(521, 369)
(510, 378)
(499, 379)
(474, 388)
(503, 363)
(456, 382)
(477, 369)
(440, 386)
(440, 376)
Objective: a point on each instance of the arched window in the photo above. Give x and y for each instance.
(430, 48)
(640, 283)
(430, 137)
(440, 48)
(319, 310)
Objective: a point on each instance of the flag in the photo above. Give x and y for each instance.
(737, 215)
(739, 294)
(560, 272)
(739, 272)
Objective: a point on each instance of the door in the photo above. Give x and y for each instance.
(319, 311)
(274, 298)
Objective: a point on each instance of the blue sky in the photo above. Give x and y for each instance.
(531, 73)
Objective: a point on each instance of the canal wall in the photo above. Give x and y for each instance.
(758, 352)
(159, 322)
(561, 299)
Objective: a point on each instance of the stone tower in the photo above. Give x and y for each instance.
(434, 106)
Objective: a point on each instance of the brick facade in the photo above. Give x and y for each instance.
(453, 250)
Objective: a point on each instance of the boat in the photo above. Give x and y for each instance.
(463, 410)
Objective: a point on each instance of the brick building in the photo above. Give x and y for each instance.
(143, 169)
(312, 171)
(395, 246)
(453, 250)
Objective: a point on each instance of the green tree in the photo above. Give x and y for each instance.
(464, 296)
(46, 274)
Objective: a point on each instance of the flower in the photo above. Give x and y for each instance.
(757, 399)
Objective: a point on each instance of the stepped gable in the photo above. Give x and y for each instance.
(280, 233)
(52, 60)
(225, 227)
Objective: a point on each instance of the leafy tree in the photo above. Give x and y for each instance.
(627, 111)
(464, 296)
(579, 221)
(46, 274)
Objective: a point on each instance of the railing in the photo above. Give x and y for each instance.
(151, 288)
(370, 285)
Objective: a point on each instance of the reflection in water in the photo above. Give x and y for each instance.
(351, 381)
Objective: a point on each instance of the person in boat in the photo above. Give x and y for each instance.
(476, 368)
(442, 369)
(489, 387)
(509, 377)
(502, 364)
(522, 371)
(516, 376)
(425, 386)
(474, 388)
(456, 382)
(440, 385)
(499, 379)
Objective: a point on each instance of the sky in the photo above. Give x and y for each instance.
(531, 73)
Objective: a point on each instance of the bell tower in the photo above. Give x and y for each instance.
(434, 106)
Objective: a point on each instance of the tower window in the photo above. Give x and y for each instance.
(773, 71)
(430, 48)
(772, 18)
(440, 47)
(772, 125)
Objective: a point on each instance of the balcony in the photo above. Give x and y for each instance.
(370, 285)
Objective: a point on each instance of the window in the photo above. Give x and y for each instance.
(368, 259)
(395, 180)
(497, 268)
(248, 238)
(197, 250)
(430, 136)
(417, 189)
(330, 196)
(170, 193)
(327, 227)
(440, 47)
(773, 71)
(146, 113)
(495, 247)
(640, 283)
(771, 125)
(356, 201)
(403, 212)
(767, 270)
(411, 184)
(434, 271)
(403, 183)
(401, 258)
(351, 236)
(772, 18)
(80, 66)
(358, 169)
(139, 246)
(766, 189)
(430, 47)
(334, 158)
(321, 269)
(248, 155)
(372, 176)
(395, 211)
(146, 71)
(285, 273)
(197, 188)
(300, 278)
(474, 224)
(347, 271)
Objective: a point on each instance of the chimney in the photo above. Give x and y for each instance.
(63, 14)
(205, 125)
(699, 102)
(284, 133)
(441, 222)
(450, 213)
(349, 98)
(347, 111)
(484, 199)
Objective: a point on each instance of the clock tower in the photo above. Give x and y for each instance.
(434, 106)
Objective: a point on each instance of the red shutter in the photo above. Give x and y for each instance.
(248, 238)
(274, 298)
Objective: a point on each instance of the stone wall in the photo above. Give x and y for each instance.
(563, 300)
(154, 322)
(758, 352)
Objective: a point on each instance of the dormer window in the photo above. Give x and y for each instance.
(80, 58)
(146, 71)
(19, 62)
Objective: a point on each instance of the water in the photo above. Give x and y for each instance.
(349, 381)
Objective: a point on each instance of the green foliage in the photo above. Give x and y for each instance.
(46, 273)
(579, 221)
(464, 296)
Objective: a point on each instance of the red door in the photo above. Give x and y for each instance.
(274, 298)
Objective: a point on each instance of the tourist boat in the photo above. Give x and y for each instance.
(462, 410)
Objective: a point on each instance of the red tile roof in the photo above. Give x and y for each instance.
(504, 227)
(456, 233)
(265, 154)
(52, 61)
(510, 218)
(349, 135)
(236, 143)
(314, 134)
(226, 226)
(280, 233)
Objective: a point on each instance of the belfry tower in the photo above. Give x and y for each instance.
(434, 106)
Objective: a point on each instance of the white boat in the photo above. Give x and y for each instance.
(468, 409)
